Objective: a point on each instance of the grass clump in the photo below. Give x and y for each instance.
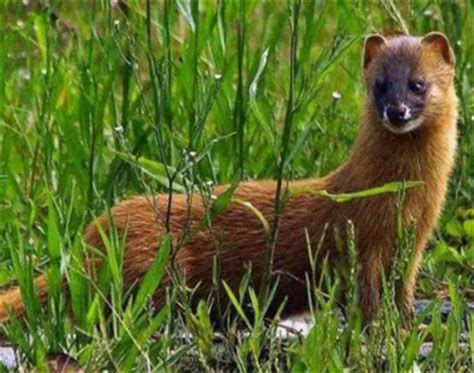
(101, 100)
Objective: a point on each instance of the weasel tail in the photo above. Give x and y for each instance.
(11, 301)
(407, 132)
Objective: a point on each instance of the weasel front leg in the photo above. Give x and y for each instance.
(369, 287)
(405, 295)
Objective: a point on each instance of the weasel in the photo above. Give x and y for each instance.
(408, 132)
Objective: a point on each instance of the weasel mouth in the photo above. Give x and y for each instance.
(402, 126)
(399, 123)
(400, 118)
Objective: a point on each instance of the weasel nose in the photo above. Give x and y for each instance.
(398, 113)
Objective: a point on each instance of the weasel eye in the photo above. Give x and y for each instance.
(417, 86)
(381, 86)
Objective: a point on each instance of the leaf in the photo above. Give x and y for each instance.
(329, 60)
(208, 147)
(255, 304)
(256, 212)
(469, 254)
(469, 228)
(203, 316)
(185, 9)
(154, 275)
(445, 253)
(466, 213)
(41, 33)
(54, 238)
(222, 201)
(78, 287)
(392, 187)
(203, 324)
(133, 348)
(23, 268)
(54, 250)
(236, 304)
(301, 140)
(258, 74)
(454, 228)
(114, 263)
(156, 170)
(299, 367)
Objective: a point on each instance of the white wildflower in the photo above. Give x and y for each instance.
(336, 95)
(24, 74)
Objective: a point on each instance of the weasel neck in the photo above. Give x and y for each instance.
(379, 156)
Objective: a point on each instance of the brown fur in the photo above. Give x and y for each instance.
(378, 157)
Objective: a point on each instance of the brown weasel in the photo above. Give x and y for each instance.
(408, 132)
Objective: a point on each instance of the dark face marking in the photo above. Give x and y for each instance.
(398, 89)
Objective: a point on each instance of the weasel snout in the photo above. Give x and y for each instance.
(398, 114)
(400, 118)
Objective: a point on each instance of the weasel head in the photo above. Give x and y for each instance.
(410, 80)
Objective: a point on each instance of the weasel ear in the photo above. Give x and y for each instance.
(439, 43)
(372, 46)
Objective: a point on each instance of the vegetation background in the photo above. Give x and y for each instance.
(100, 100)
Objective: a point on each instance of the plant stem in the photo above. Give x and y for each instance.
(288, 123)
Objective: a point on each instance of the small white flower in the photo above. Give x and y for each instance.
(336, 95)
(20, 23)
(428, 13)
(192, 154)
(24, 74)
(117, 22)
(118, 128)
(209, 183)
(458, 42)
(218, 76)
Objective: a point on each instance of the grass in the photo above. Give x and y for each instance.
(103, 100)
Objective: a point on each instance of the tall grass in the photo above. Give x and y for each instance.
(103, 100)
